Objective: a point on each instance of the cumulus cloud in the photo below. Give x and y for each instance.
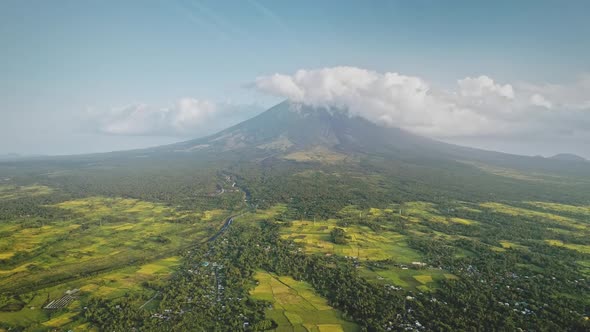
(539, 100)
(188, 117)
(475, 107)
(484, 86)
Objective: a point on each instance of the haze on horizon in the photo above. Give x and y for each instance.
(93, 77)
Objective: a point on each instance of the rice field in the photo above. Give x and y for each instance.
(295, 306)
(264, 214)
(517, 211)
(362, 242)
(105, 247)
(101, 233)
(424, 211)
(13, 191)
(410, 279)
(578, 247)
(557, 208)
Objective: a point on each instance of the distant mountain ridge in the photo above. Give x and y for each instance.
(568, 157)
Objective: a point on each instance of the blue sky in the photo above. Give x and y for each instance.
(61, 60)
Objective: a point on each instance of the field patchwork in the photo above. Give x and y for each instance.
(105, 247)
(296, 307)
(362, 242)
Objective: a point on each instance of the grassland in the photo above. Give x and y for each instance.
(295, 306)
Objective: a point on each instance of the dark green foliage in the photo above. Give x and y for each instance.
(338, 235)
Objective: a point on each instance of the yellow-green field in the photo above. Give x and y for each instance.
(362, 243)
(110, 285)
(423, 211)
(555, 207)
(12, 192)
(578, 247)
(296, 307)
(103, 233)
(105, 247)
(408, 278)
(517, 211)
(263, 214)
(317, 154)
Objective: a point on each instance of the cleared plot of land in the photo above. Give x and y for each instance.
(362, 242)
(282, 144)
(296, 307)
(264, 214)
(423, 279)
(316, 154)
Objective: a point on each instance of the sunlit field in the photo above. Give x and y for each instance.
(100, 247)
(296, 307)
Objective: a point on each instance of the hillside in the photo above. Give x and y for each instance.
(567, 157)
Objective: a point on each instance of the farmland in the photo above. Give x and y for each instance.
(363, 243)
(103, 247)
(295, 306)
(377, 240)
(108, 262)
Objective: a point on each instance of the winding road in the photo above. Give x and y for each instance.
(226, 224)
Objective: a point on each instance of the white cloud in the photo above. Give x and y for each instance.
(188, 117)
(482, 86)
(539, 100)
(476, 107)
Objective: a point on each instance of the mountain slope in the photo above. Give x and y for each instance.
(289, 128)
(567, 157)
(295, 154)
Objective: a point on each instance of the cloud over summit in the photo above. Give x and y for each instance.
(476, 106)
(188, 117)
